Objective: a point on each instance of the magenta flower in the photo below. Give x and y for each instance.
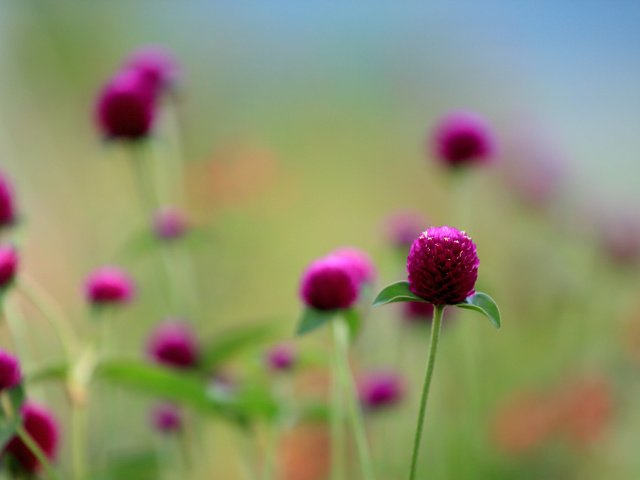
(169, 223)
(109, 286)
(166, 418)
(403, 228)
(361, 265)
(620, 238)
(8, 265)
(173, 343)
(43, 429)
(125, 107)
(7, 204)
(462, 138)
(157, 67)
(329, 284)
(281, 357)
(10, 372)
(443, 266)
(380, 389)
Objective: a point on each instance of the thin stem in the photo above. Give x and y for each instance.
(270, 451)
(433, 349)
(341, 338)
(78, 451)
(37, 452)
(50, 311)
(338, 449)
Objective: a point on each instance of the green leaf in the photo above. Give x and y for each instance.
(315, 412)
(396, 292)
(312, 319)
(57, 371)
(225, 345)
(156, 381)
(353, 321)
(7, 431)
(484, 304)
(138, 465)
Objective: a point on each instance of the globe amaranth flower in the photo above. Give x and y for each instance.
(463, 138)
(10, 372)
(7, 202)
(41, 425)
(403, 227)
(156, 66)
(443, 266)
(126, 107)
(173, 343)
(166, 418)
(281, 357)
(361, 265)
(380, 389)
(329, 284)
(109, 286)
(8, 265)
(169, 223)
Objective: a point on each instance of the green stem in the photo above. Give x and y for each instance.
(338, 449)
(37, 452)
(433, 349)
(341, 338)
(78, 440)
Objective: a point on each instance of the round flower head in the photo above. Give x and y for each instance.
(8, 265)
(281, 357)
(462, 138)
(10, 373)
(125, 108)
(166, 418)
(362, 267)
(173, 344)
(157, 67)
(7, 206)
(380, 389)
(43, 429)
(109, 286)
(443, 266)
(329, 284)
(403, 227)
(169, 223)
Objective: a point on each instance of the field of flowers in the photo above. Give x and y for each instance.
(267, 256)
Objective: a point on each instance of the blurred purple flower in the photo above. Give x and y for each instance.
(361, 265)
(109, 286)
(173, 343)
(380, 389)
(166, 418)
(157, 67)
(620, 238)
(8, 265)
(281, 357)
(404, 227)
(443, 266)
(7, 202)
(329, 284)
(463, 138)
(169, 223)
(10, 373)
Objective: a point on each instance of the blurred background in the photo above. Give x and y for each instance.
(304, 128)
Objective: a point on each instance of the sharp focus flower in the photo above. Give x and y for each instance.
(109, 286)
(157, 67)
(443, 266)
(362, 267)
(173, 344)
(463, 138)
(8, 265)
(380, 389)
(7, 202)
(125, 107)
(43, 429)
(169, 223)
(329, 284)
(10, 373)
(403, 228)
(166, 418)
(281, 357)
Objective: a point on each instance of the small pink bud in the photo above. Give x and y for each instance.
(173, 343)
(7, 202)
(166, 418)
(380, 389)
(8, 265)
(10, 373)
(109, 286)
(329, 284)
(169, 223)
(281, 357)
(463, 138)
(403, 228)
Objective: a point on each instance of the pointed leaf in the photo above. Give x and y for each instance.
(396, 292)
(312, 319)
(484, 304)
(56, 371)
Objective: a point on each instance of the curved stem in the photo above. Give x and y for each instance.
(341, 338)
(433, 349)
(37, 452)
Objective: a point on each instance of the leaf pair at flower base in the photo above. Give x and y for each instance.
(312, 319)
(479, 302)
